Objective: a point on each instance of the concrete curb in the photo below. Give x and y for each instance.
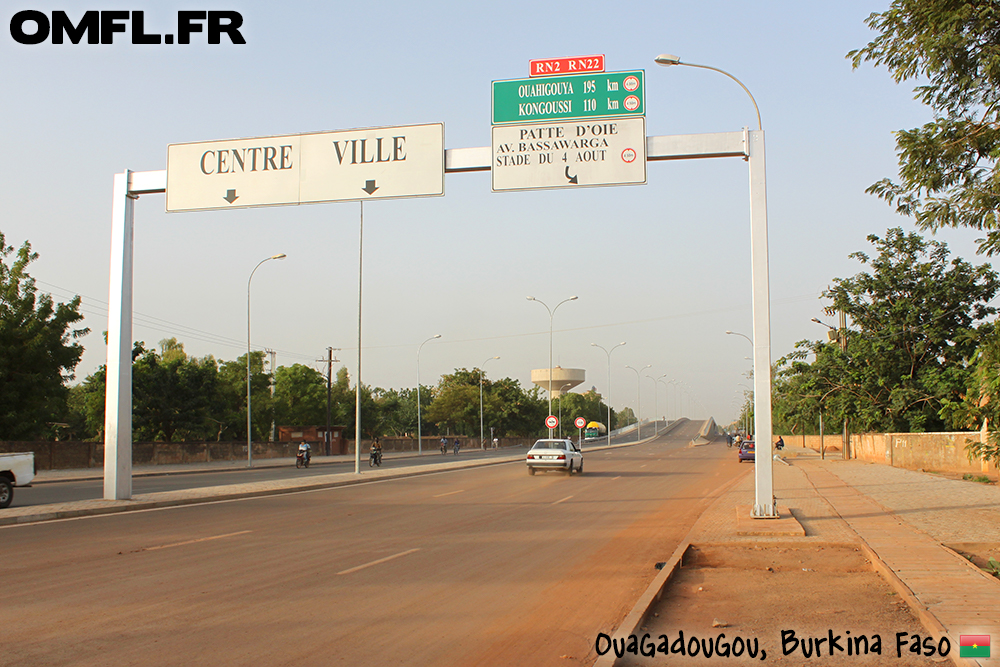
(923, 614)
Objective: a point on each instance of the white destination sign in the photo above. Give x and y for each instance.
(569, 154)
(374, 163)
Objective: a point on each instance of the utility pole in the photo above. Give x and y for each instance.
(842, 334)
(272, 353)
(329, 388)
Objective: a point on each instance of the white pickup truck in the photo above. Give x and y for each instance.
(15, 470)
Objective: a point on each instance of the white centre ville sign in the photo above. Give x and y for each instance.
(345, 165)
(569, 154)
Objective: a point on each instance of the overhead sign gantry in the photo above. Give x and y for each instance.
(409, 161)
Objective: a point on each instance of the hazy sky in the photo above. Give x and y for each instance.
(663, 266)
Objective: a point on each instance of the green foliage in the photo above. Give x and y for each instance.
(299, 396)
(456, 403)
(37, 349)
(507, 407)
(948, 168)
(173, 395)
(908, 362)
(587, 405)
(624, 417)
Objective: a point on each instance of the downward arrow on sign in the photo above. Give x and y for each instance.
(231, 196)
(370, 187)
(572, 179)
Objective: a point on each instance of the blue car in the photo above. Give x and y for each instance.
(747, 451)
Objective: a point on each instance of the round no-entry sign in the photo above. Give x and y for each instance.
(552, 421)
(580, 422)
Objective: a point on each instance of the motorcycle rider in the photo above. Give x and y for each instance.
(305, 451)
(377, 451)
(457, 445)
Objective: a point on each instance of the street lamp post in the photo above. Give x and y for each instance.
(747, 398)
(249, 424)
(552, 313)
(568, 384)
(666, 395)
(677, 400)
(608, 353)
(656, 409)
(420, 442)
(482, 443)
(754, 140)
(638, 402)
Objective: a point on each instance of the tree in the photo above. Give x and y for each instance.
(456, 402)
(948, 168)
(232, 411)
(173, 394)
(299, 396)
(624, 417)
(984, 398)
(37, 350)
(918, 319)
(588, 405)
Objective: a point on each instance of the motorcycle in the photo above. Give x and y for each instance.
(444, 447)
(303, 456)
(374, 458)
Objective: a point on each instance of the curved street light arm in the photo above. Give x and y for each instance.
(667, 60)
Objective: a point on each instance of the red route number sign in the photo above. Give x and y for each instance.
(580, 422)
(552, 421)
(577, 65)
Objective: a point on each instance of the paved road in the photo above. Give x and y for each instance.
(484, 566)
(49, 488)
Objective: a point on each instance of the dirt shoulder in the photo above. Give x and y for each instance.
(786, 605)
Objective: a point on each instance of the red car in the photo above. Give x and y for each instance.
(747, 451)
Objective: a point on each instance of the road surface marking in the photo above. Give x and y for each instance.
(643, 465)
(614, 478)
(450, 493)
(376, 562)
(563, 500)
(202, 539)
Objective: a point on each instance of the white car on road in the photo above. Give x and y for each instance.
(15, 470)
(556, 454)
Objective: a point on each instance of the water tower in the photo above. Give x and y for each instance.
(563, 379)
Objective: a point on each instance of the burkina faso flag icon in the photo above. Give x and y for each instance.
(974, 646)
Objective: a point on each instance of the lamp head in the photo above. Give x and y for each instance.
(730, 333)
(573, 298)
(281, 256)
(436, 336)
(667, 59)
(531, 298)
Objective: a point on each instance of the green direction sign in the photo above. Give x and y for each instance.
(593, 95)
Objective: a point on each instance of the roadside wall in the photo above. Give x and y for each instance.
(833, 442)
(937, 452)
